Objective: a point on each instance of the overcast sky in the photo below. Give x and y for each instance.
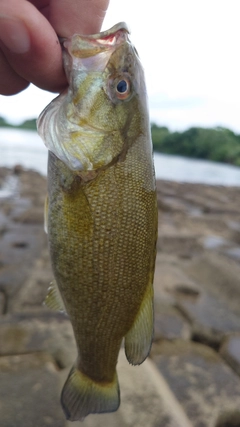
(191, 55)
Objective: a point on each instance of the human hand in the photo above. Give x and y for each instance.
(29, 48)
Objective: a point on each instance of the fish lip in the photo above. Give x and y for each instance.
(83, 46)
(121, 26)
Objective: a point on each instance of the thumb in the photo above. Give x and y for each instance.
(77, 16)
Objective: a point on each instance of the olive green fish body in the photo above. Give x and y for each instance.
(102, 237)
(102, 225)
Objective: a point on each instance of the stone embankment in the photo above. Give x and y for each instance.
(192, 378)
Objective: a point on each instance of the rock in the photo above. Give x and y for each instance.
(228, 418)
(230, 351)
(34, 215)
(212, 199)
(49, 332)
(170, 281)
(9, 187)
(146, 400)
(16, 244)
(31, 296)
(207, 225)
(3, 303)
(209, 312)
(215, 242)
(29, 393)
(3, 223)
(183, 245)
(233, 253)
(169, 323)
(25, 273)
(234, 227)
(18, 169)
(17, 207)
(222, 246)
(20, 246)
(172, 204)
(203, 384)
(219, 277)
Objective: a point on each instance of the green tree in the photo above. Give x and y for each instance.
(217, 144)
(29, 124)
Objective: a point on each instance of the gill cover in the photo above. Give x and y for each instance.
(80, 126)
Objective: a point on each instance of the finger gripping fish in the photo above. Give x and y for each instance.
(101, 213)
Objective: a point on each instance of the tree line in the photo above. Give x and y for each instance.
(216, 144)
(27, 124)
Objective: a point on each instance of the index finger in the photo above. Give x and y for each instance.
(69, 17)
(41, 63)
(30, 46)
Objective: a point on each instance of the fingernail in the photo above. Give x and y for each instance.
(14, 35)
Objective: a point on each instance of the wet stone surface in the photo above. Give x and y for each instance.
(169, 323)
(29, 391)
(230, 351)
(203, 384)
(193, 375)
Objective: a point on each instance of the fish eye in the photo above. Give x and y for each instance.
(123, 88)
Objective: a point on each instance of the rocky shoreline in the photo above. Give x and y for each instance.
(192, 377)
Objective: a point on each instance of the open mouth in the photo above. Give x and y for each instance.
(84, 46)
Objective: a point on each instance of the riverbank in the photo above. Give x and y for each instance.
(192, 375)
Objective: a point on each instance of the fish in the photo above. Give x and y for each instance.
(101, 213)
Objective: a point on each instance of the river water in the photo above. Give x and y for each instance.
(27, 149)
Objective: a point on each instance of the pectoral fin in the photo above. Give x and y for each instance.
(138, 340)
(46, 215)
(53, 299)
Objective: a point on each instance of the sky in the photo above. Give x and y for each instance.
(190, 53)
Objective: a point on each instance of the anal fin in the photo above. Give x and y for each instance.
(53, 299)
(138, 340)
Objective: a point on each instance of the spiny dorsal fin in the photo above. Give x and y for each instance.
(138, 340)
(53, 299)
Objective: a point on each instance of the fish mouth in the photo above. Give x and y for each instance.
(85, 46)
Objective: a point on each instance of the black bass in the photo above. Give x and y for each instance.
(101, 213)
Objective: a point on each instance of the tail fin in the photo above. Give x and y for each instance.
(82, 396)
